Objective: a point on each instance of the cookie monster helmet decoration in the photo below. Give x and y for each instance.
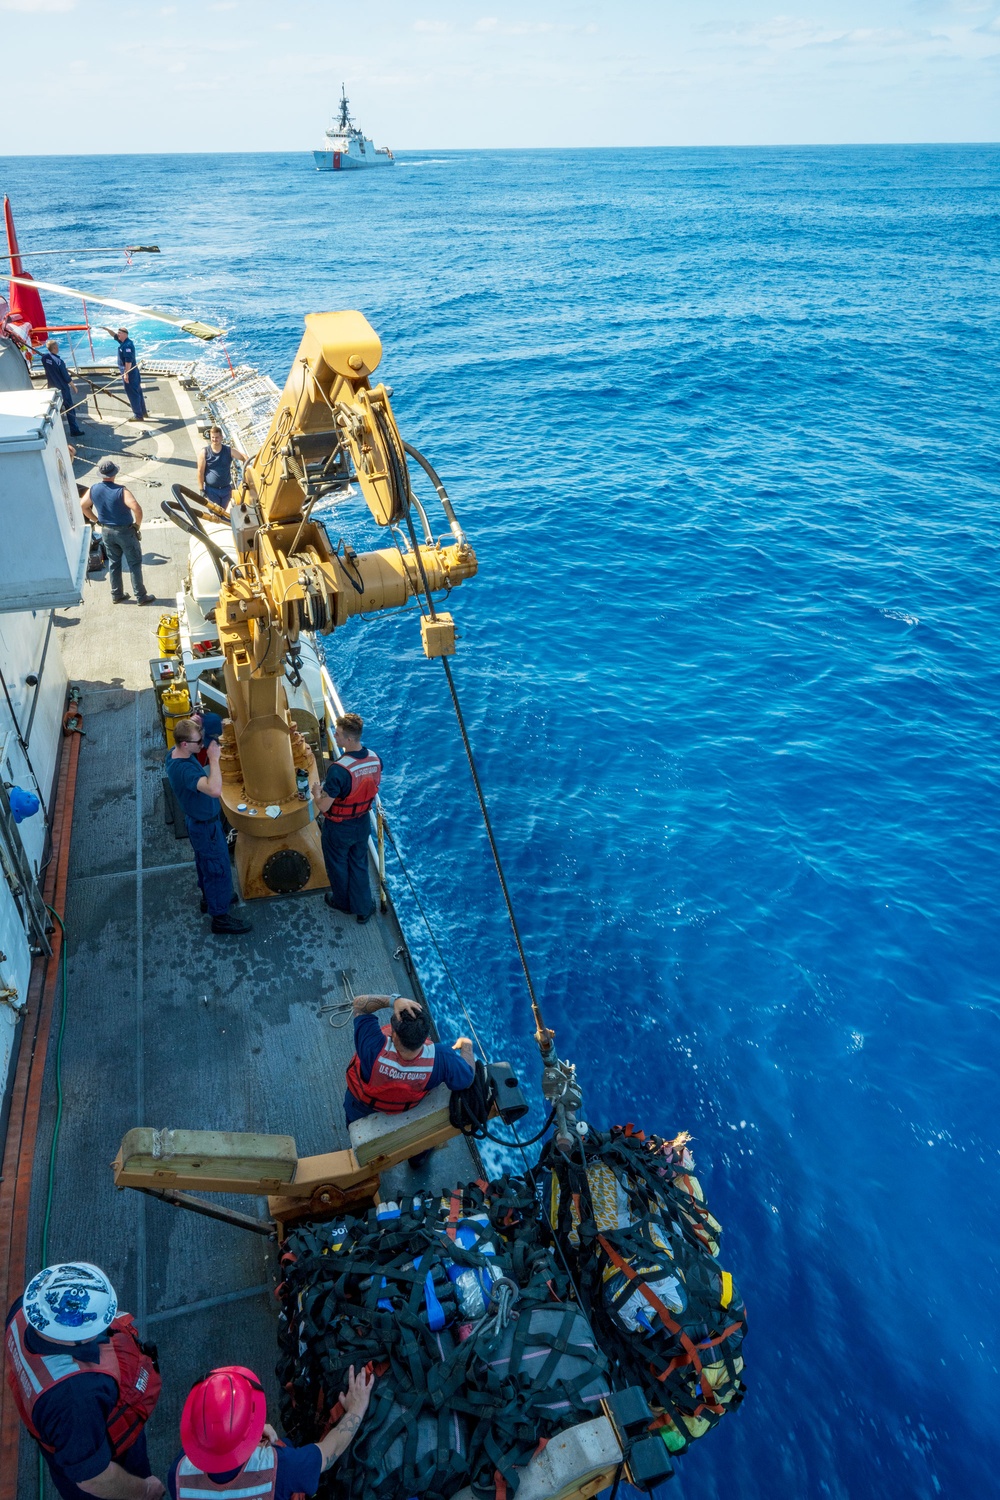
(70, 1303)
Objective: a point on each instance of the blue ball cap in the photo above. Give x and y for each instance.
(211, 726)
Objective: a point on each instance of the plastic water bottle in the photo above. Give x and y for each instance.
(473, 1284)
(636, 1313)
(383, 1213)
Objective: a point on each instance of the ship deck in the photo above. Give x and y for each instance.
(166, 1025)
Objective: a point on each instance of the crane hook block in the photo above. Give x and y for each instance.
(438, 635)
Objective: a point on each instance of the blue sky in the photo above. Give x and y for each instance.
(258, 75)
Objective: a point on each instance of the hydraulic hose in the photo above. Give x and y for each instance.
(180, 511)
(435, 479)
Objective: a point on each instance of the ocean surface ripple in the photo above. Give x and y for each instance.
(722, 426)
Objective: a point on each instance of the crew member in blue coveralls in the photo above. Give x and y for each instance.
(83, 1383)
(119, 515)
(129, 366)
(57, 376)
(394, 1066)
(344, 801)
(198, 794)
(229, 1448)
(215, 468)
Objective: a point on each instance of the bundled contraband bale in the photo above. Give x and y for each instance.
(461, 1310)
(644, 1249)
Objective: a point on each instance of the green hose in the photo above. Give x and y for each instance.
(59, 1090)
(63, 957)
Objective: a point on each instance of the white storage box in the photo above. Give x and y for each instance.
(44, 539)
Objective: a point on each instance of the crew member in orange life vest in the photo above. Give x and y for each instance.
(83, 1383)
(394, 1066)
(344, 802)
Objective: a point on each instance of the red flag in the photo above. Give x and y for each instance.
(25, 302)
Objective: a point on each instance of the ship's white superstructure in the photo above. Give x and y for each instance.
(44, 559)
(346, 148)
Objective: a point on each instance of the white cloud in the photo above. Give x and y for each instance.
(437, 28)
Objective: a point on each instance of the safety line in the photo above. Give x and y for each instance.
(140, 1070)
(539, 1024)
(431, 934)
(489, 834)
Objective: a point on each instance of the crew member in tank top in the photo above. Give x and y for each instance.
(118, 513)
(344, 802)
(215, 468)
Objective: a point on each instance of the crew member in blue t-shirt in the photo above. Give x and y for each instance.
(394, 1066)
(215, 468)
(198, 790)
(229, 1447)
(57, 376)
(119, 515)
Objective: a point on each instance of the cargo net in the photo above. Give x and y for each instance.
(462, 1312)
(643, 1248)
(501, 1314)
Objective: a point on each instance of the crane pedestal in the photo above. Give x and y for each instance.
(281, 866)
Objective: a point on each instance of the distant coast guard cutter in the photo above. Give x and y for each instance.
(346, 148)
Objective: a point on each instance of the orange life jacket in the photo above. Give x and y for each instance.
(366, 774)
(396, 1083)
(30, 1375)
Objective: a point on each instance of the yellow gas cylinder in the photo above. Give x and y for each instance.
(169, 636)
(176, 704)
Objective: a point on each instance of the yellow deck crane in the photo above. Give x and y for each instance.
(331, 425)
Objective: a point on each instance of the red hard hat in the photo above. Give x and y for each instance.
(223, 1419)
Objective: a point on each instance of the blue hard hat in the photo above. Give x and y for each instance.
(22, 804)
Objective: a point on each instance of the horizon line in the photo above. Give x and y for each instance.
(521, 150)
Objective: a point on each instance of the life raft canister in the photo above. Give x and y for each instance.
(257, 1478)
(396, 1083)
(122, 1356)
(366, 775)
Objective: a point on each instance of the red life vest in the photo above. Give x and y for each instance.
(396, 1083)
(258, 1478)
(366, 774)
(30, 1375)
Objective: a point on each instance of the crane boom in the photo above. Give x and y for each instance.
(331, 426)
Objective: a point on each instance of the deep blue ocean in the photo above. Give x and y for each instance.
(722, 425)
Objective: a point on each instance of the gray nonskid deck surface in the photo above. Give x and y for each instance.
(168, 1026)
